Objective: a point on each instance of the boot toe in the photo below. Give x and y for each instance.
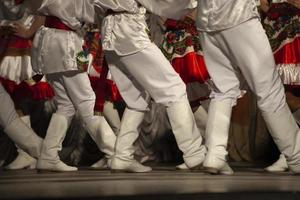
(59, 166)
(182, 166)
(22, 162)
(100, 165)
(132, 166)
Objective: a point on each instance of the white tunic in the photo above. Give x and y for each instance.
(216, 15)
(169, 8)
(55, 50)
(126, 31)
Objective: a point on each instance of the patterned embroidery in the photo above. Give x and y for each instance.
(180, 38)
(282, 24)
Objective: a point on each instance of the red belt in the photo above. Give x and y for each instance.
(55, 22)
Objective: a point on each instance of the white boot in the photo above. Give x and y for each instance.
(286, 135)
(24, 137)
(182, 166)
(279, 166)
(102, 164)
(225, 170)
(201, 117)
(186, 133)
(49, 159)
(105, 139)
(124, 154)
(217, 130)
(23, 160)
(112, 116)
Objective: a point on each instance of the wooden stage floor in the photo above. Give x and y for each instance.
(163, 183)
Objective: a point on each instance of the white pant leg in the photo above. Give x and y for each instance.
(64, 104)
(149, 69)
(131, 91)
(224, 76)
(249, 51)
(75, 92)
(79, 90)
(239, 52)
(7, 109)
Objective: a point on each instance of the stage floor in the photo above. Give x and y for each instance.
(163, 183)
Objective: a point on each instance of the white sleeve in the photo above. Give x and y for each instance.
(169, 8)
(87, 11)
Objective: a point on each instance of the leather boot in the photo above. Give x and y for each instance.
(129, 132)
(23, 160)
(105, 139)
(286, 134)
(186, 133)
(279, 166)
(24, 137)
(217, 130)
(49, 159)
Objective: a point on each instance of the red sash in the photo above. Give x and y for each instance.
(55, 22)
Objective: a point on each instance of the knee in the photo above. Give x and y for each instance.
(6, 119)
(171, 94)
(140, 104)
(231, 95)
(7, 110)
(67, 110)
(273, 100)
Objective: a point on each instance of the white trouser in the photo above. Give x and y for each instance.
(231, 55)
(143, 73)
(73, 92)
(243, 52)
(149, 72)
(7, 109)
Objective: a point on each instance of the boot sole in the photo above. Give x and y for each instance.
(198, 168)
(211, 170)
(127, 171)
(98, 169)
(276, 172)
(183, 170)
(45, 171)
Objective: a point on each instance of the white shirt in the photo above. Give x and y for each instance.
(56, 50)
(127, 32)
(216, 15)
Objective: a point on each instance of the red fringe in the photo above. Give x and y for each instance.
(41, 91)
(191, 68)
(37, 92)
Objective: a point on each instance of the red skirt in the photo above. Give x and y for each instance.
(191, 68)
(105, 90)
(282, 27)
(38, 92)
